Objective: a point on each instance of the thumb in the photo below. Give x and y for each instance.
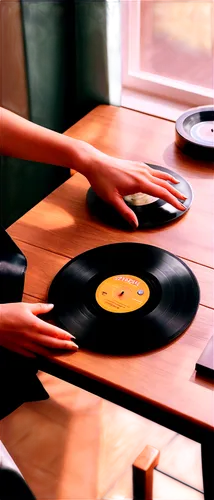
(126, 212)
(40, 308)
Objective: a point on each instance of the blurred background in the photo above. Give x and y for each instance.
(177, 40)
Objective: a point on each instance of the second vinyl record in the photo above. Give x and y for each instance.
(124, 298)
(151, 212)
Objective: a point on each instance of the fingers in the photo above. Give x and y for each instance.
(50, 342)
(163, 175)
(33, 349)
(44, 328)
(40, 308)
(164, 194)
(45, 334)
(21, 350)
(124, 210)
(170, 188)
(24, 352)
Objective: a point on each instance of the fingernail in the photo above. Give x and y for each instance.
(68, 335)
(50, 305)
(72, 344)
(72, 336)
(175, 180)
(134, 225)
(75, 345)
(182, 207)
(182, 196)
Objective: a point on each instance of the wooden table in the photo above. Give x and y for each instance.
(163, 385)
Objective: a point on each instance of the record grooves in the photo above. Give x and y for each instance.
(194, 132)
(124, 298)
(156, 214)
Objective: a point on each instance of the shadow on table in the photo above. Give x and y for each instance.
(185, 164)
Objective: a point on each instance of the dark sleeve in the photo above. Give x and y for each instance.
(13, 486)
(18, 380)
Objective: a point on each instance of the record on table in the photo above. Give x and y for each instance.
(124, 298)
(151, 212)
(194, 132)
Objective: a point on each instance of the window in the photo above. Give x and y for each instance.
(168, 55)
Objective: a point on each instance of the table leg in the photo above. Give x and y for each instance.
(143, 473)
(207, 455)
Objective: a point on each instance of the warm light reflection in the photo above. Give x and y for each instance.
(51, 217)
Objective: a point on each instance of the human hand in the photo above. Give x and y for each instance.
(22, 332)
(113, 178)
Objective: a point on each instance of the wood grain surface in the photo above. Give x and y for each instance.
(126, 134)
(166, 376)
(60, 227)
(43, 265)
(63, 225)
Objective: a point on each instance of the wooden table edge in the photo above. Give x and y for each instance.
(178, 422)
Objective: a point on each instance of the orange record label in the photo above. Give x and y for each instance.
(122, 293)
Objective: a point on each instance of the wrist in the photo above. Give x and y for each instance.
(83, 157)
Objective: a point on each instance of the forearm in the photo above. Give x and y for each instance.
(23, 139)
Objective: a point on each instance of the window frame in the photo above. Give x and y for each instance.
(143, 85)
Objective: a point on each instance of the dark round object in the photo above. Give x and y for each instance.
(194, 132)
(156, 214)
(107, 316)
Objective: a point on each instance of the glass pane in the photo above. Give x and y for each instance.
(177, 40)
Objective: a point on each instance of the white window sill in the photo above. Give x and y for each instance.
(152, 105)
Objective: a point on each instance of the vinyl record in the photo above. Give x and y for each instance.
(194, 132)
(124, 298)
(153, 212)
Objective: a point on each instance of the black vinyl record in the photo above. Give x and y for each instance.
(194, 132)
(155, 214)
(124, 298)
